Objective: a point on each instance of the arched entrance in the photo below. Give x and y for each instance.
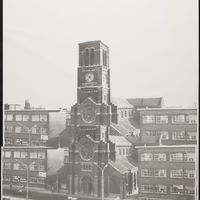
(86, 185)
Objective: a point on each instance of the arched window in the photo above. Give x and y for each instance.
(86, 57)
(92, 56)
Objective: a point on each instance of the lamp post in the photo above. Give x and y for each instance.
(27, 174)
(102, 179)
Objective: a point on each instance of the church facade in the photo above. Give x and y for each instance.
(92, 168)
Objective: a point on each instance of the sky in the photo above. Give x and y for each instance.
(153, 49)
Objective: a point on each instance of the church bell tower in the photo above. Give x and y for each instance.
(91, 117)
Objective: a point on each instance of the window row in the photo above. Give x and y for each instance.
(178, 156)
(176, 135)
(86, 167)
(20, 166)
(21, 129)
(174, 189)
(23, 179)
(182, 135)
(174, 173)
(124, 151)
(126, 113)
(24, 141)
(20, 117)
(164, 119)
(25, 154)
(153, 157)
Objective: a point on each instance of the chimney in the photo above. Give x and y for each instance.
(27, 105)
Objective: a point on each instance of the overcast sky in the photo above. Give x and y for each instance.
(153, 48)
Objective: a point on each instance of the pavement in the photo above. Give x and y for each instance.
(44, 191)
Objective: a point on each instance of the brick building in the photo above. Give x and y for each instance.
(169, 126)
(15, 162)
(166, 172)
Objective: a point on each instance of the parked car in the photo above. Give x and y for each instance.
(6, 198)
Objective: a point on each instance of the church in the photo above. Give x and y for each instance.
(94, 167)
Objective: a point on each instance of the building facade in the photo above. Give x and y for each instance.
(172, 126)
(167, 172)
(16, 160)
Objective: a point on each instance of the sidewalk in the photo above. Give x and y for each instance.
(47, 191)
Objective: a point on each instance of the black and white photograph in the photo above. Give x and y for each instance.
(100, 100)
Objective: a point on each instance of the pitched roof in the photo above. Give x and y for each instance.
(146, 102)
(119, 140)
(121, 103)
(122, 165)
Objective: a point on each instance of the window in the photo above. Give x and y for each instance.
(8, 141)
(161, 119)
(124, 151)
(189, 190)
(41, 155)
(24, 154)
(43, 118)
(191, 119)
(7, 165)
(86, 57)
(19, 141)
(125, 113)
(18, 129)
(18, 117)
(159, 157)
(127, 151)
(164, 135)
(189, 173)
(122, 114)
(189, 157)
(177, 189)
(33, 155)
(146, 157)
(176, 157)
(43, 130)
(34, 130)
(92, 56)
(35, 118)
(147, 172)
(16, 154)
(38, 142)
(191, 136)
(25, 118)
(86, 167)
(178, 135)
(9, 129)
(149, 133)
(176, 119)
(7, 154)
(176, 173)
(37, 167)
(160, 173)
(160, 189)
(147, 189)
(148, 119)
(17, 166)
(9, 117)
(120, 153)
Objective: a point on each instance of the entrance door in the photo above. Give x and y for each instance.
(86, 185)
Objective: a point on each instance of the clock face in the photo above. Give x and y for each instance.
(89, 77)
(86, 152)
(88, 114)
